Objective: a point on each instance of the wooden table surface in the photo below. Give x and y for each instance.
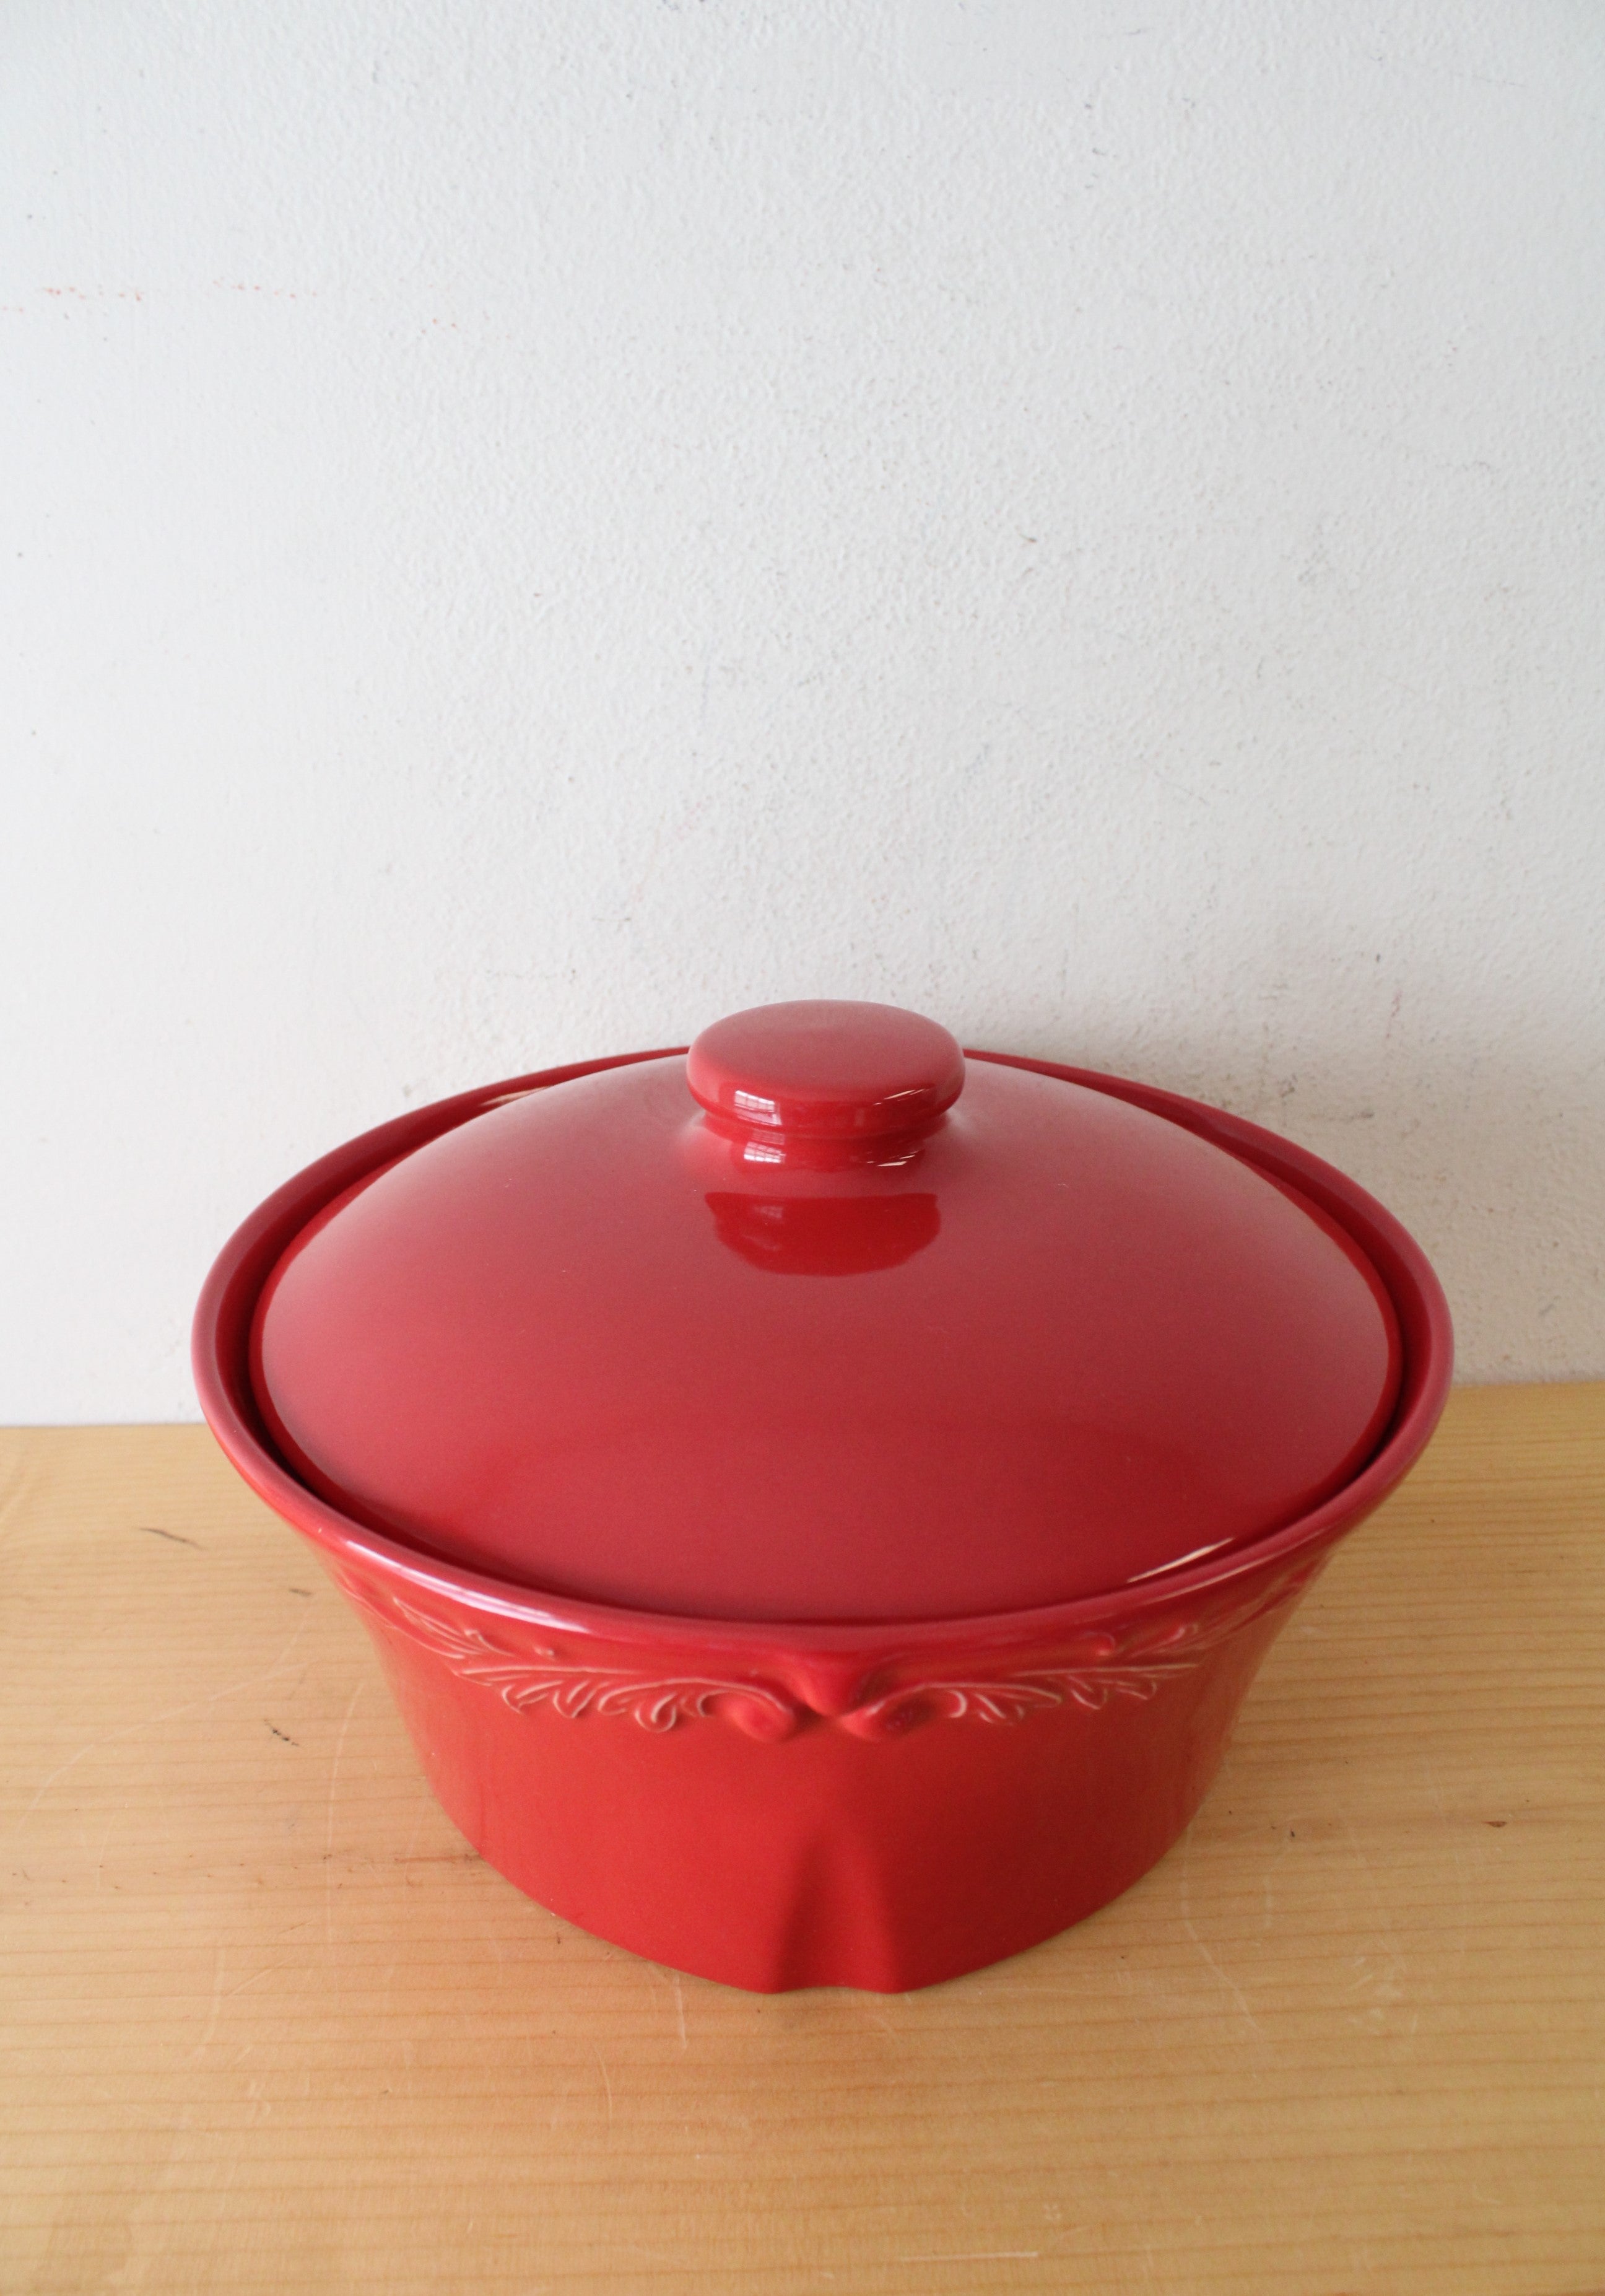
(266, 2023)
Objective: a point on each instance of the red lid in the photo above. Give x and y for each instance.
(820, 1324)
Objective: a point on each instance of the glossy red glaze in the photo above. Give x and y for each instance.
(582, 1342)
(788, 1804)
(784, 1075)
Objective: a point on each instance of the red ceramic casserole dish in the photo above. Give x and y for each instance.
(820, 1501)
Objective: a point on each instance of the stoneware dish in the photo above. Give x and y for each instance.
(820, 1500)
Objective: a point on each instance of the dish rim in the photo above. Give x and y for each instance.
(220, 1357)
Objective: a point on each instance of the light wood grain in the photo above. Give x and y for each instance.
(268, 2026)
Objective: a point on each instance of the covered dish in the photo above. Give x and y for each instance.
(821, 1499)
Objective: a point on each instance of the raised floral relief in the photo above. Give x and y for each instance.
(1133, 1664)
(538, 1676)
(1100, 1666)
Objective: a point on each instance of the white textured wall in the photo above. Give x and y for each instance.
(529, 527)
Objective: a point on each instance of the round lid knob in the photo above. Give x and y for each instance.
(824, 1070)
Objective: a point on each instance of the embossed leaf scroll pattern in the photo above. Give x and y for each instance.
(1103, 1665)
(1106, 1666)
(537, 1676)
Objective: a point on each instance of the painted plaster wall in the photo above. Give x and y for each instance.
(528, 528)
